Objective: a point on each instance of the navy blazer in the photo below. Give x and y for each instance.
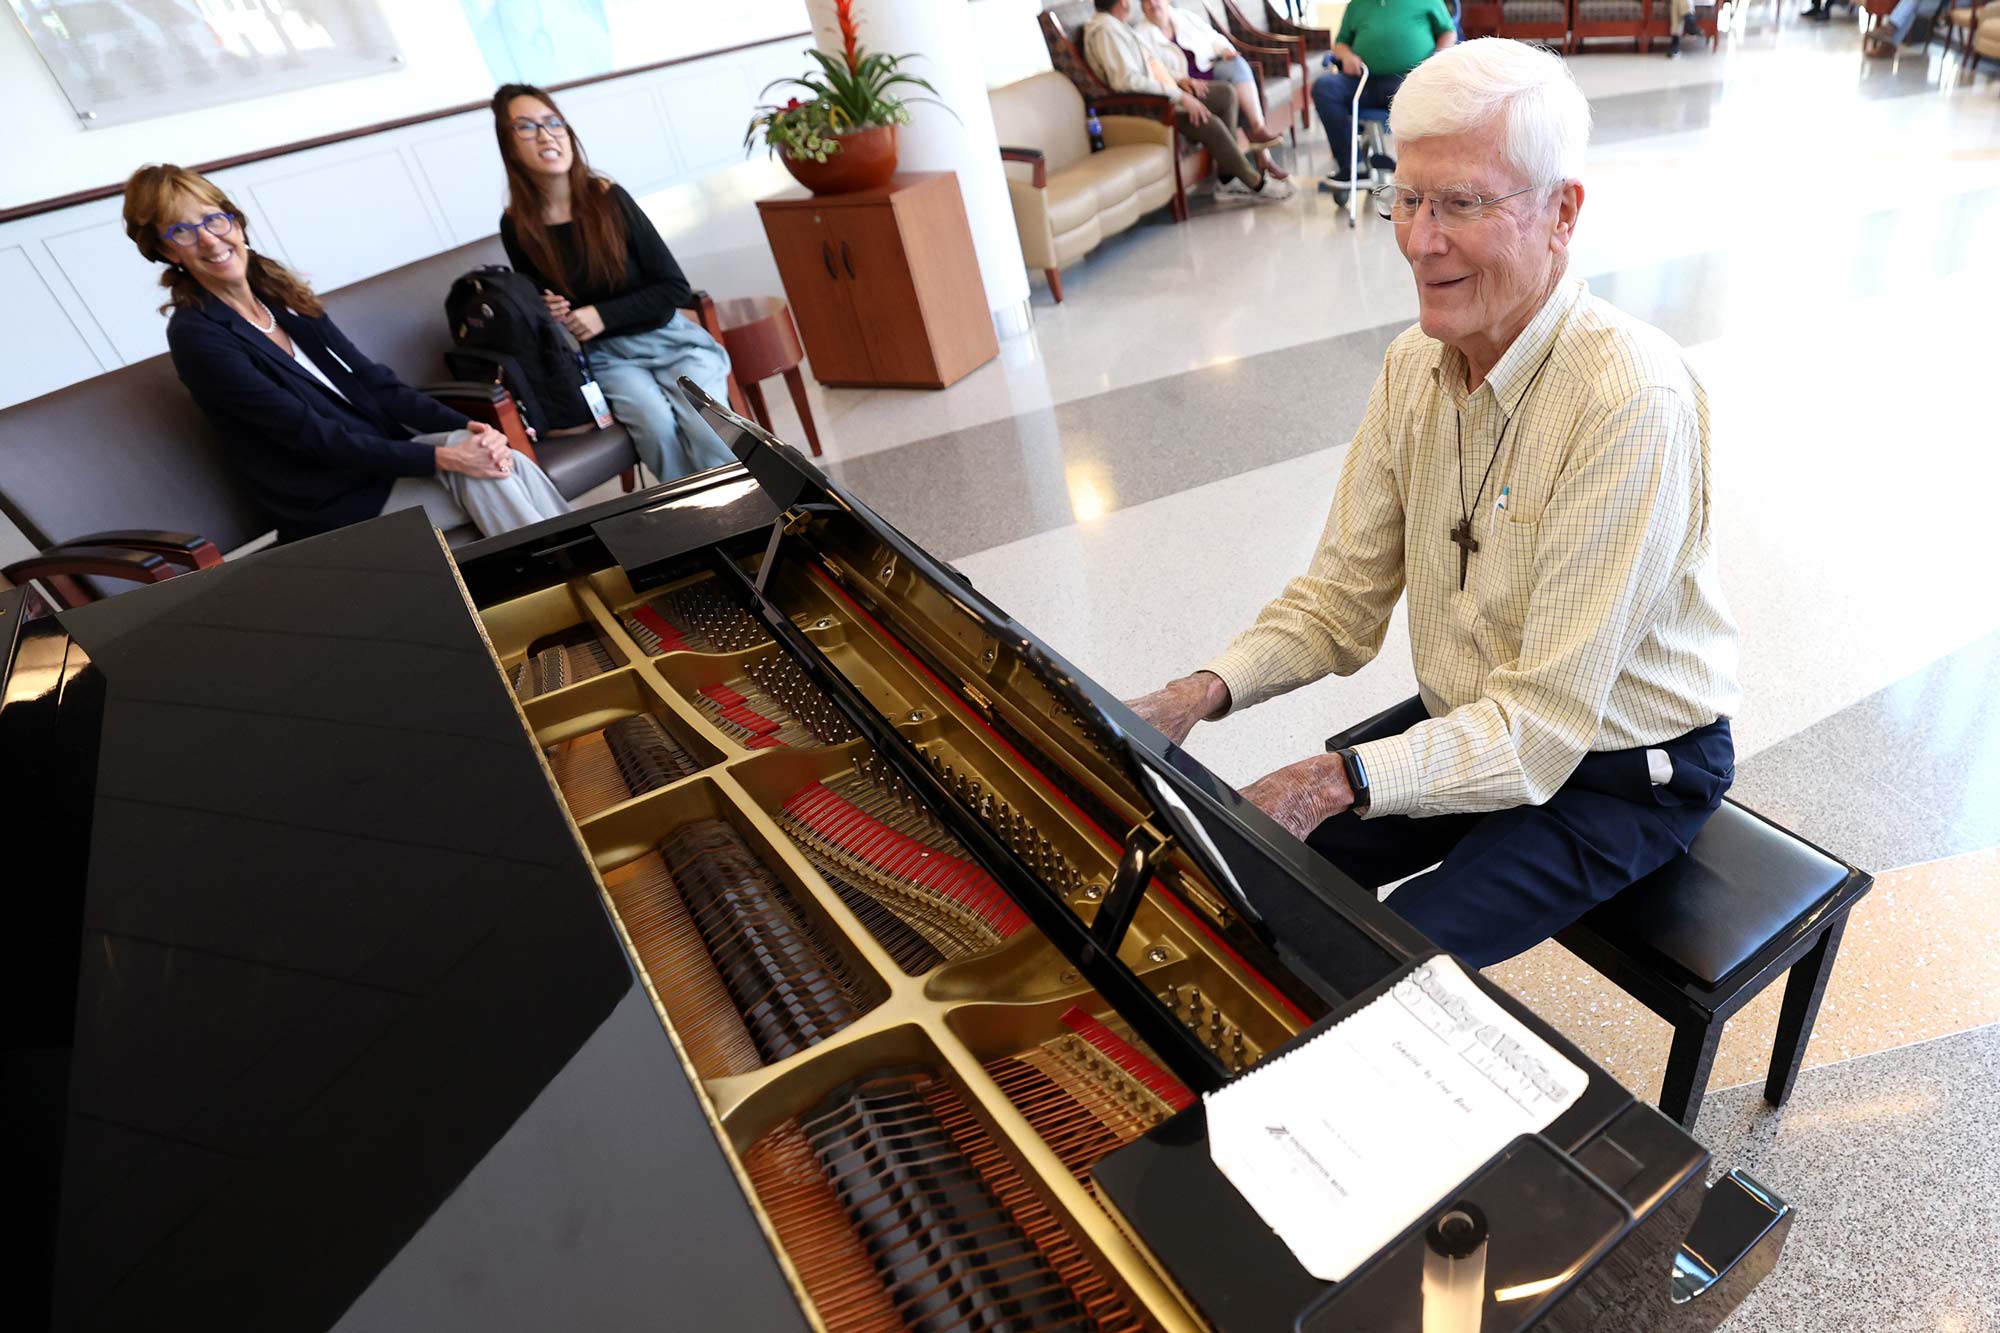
(314, 461)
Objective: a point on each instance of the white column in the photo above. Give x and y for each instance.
(939, 33)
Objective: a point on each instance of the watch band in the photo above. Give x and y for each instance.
(1357, 778)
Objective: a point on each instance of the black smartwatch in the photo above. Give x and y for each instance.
(1357, 777)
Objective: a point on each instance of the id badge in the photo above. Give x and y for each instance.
(594, 397)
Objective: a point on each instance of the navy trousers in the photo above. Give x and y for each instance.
(1333, 98)
(1508, 879)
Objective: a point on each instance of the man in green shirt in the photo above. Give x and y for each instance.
(1387, 37)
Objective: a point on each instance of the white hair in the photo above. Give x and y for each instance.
(1466, 87)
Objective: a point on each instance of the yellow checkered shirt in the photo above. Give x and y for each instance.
(1592, 616)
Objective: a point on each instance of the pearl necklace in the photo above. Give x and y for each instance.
(269, 315)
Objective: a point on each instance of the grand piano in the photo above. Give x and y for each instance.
(705, 911)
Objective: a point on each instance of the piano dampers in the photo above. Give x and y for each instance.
(628, 758)
(900, 1212)
(698, 618)
(912, 884)
(791, 985)
(773, 704)
(560, 659)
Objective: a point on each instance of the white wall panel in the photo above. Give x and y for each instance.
(621, 129)
(40, 347)
(700, 107)
(462, 168)
(121, 290)
(341, 222)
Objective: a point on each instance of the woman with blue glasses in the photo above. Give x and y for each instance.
(323, 435)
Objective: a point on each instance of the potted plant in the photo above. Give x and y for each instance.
(842, 137)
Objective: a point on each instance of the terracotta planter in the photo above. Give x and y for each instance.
(867, 158)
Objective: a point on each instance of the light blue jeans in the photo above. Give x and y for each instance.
(637, 373)
(1233, 70)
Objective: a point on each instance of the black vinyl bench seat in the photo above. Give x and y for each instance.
(1703, 935)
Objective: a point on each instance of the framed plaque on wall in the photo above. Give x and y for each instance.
(118, 63)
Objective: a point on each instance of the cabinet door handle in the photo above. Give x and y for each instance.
(826, 253)
(847, 259)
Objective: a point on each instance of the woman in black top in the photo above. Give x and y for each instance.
(608, 277)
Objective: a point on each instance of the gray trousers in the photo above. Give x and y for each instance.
(491, 504)
(1218, 135)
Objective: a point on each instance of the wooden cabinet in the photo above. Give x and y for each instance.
(883, 283)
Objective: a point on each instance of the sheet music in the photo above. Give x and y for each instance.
(1342, 1143)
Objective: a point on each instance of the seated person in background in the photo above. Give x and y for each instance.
(1533, 468)
(1681, 15)
(1208, 116)
(324, 436)
(1388, 39)
(608, 277)
(1185, 35)
(1902, 21)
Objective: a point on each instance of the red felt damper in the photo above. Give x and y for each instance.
(1126, 1056)
(733, 709)
(868, 839)
(670, 638)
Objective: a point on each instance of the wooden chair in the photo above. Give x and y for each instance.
(1629, 19)
(1273, 56)
(1543, 21)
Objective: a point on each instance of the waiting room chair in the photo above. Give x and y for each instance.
(1060, 25)
(1543, 21)
(1279, 62)
(1631, 19)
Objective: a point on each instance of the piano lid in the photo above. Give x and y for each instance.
(322, 1022)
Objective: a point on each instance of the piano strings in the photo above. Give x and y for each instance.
(894, 1179)
(747, 975)
(629, 758)
(557, 660)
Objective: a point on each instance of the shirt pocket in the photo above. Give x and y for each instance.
(1507, 581)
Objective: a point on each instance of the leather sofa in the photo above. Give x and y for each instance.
(1067, 198)
(121, 476)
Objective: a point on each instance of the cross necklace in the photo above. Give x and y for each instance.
(1461, 535)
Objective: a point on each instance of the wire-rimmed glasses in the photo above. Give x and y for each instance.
(1451, 208)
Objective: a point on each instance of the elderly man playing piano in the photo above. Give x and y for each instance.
(1533, 468)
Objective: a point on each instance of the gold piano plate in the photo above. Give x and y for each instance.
(851, 983)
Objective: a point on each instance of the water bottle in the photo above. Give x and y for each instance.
(1096, 132)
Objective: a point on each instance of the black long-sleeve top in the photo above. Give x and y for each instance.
(654, 286)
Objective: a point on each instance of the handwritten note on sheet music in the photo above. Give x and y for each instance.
(1345, 1141)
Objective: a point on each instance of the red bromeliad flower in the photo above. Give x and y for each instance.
(794, 104)
(843, 13)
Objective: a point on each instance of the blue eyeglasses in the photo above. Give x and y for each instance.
(215, 224)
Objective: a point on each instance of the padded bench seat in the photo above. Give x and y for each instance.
(1703, 935)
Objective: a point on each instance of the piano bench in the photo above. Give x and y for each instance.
(1703, 935)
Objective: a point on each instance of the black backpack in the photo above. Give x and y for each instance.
(505, 334)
